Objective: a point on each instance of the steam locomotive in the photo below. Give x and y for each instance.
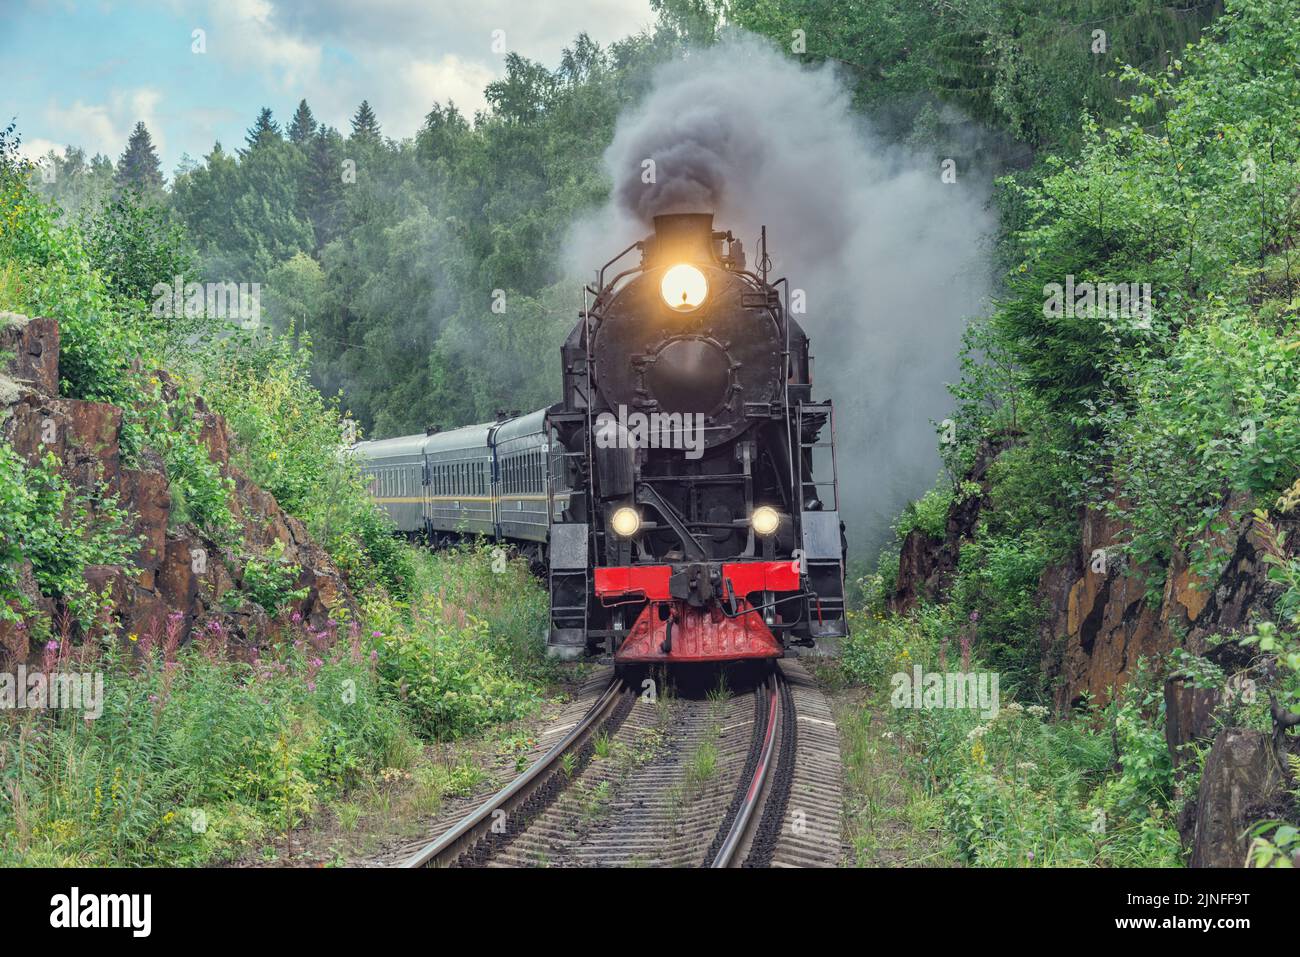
(681, 497)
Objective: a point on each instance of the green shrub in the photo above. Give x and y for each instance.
(929, 513)
(1019, 790)
(60, 530)
(267, 580)
(290, 441)
(470, 651)
(1220, 414)
(500, 591)
(135, 245)
(880, 645)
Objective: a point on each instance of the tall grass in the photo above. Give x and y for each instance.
(195, 754)
(1017, 788)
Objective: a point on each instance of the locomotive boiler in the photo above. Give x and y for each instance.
(681, 497)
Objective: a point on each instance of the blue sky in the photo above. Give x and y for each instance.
(85, 72)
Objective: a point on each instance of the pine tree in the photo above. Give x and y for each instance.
(365, 125)
(320, 192)
(303, 125)
(264, 131)
(139, 166)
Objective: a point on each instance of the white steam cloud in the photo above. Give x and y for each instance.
(892, 259)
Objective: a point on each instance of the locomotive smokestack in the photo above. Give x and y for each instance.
(682, 237)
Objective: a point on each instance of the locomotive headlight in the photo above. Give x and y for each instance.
(625, 522)
(684, 287)
(765, 520)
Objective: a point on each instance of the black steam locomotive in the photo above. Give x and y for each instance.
(682, 496)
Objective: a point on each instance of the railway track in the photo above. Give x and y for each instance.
(723, 778)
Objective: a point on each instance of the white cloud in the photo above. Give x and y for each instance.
(35, 149)
(401, 55)
(243, 35)
(105, 127)
(537, 29)
(425, 82)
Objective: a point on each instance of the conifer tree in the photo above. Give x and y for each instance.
(303, 125)
(139, 167)
(264, 131)
(365, 125)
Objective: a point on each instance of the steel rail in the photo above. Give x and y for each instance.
(470, 827)
(754, 792)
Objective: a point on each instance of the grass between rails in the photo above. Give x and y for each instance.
(199, 755)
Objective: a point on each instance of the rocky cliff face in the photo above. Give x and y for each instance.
(177, 578)
(1099, 619)
(928, 565)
